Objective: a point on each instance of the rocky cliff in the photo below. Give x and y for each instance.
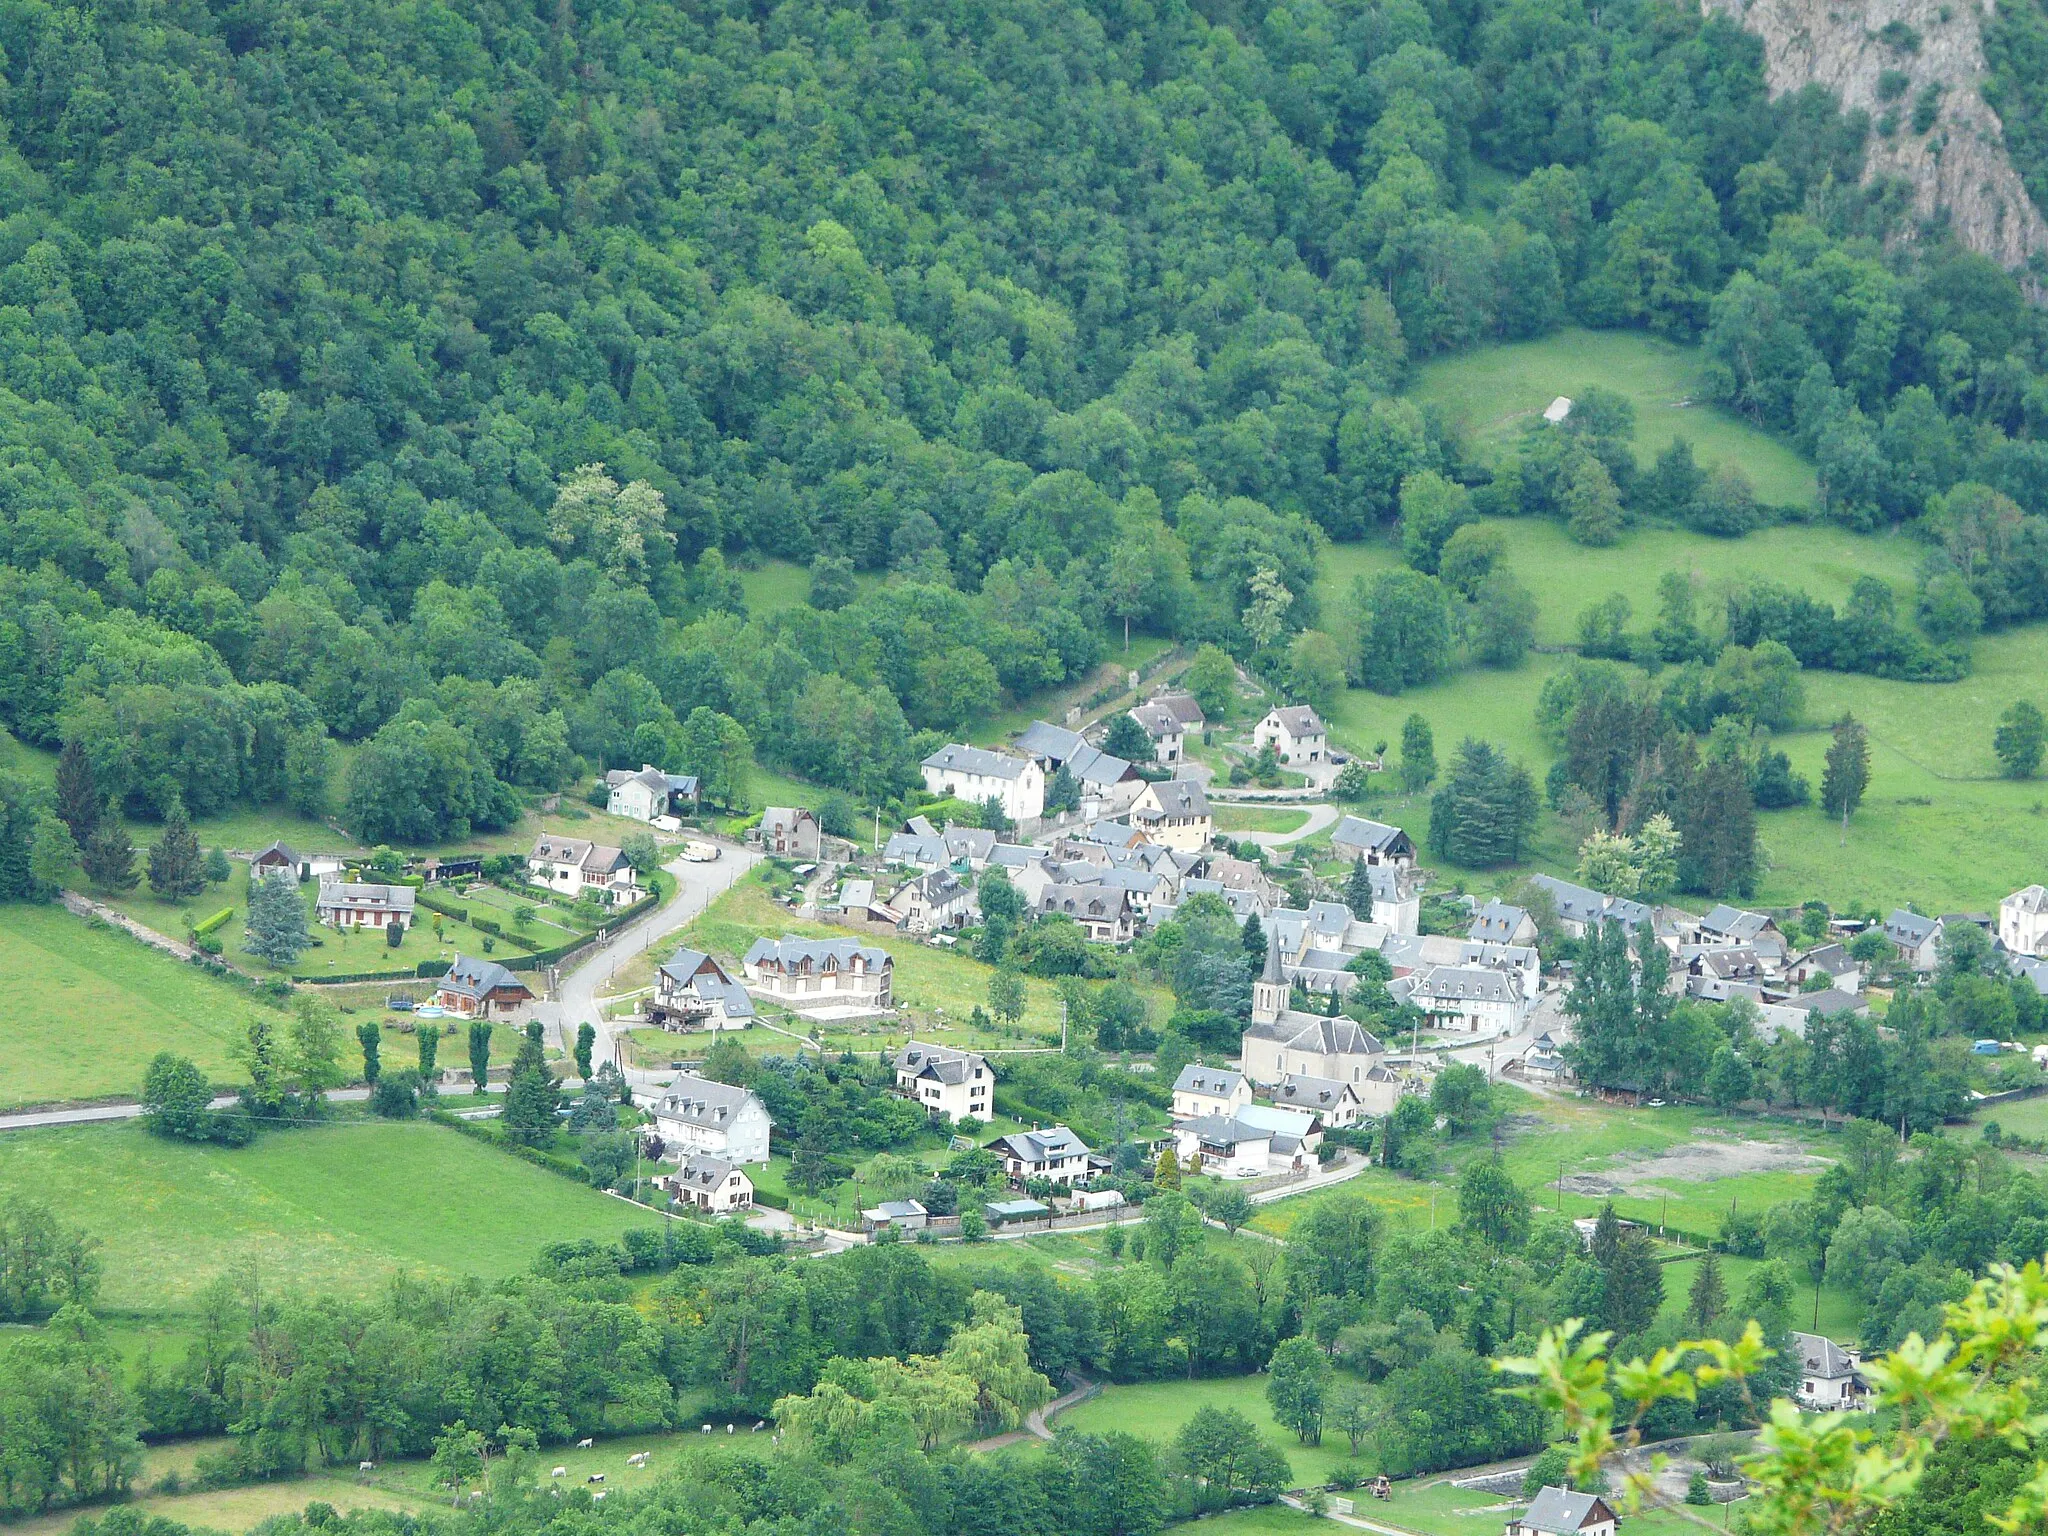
(1903, 61)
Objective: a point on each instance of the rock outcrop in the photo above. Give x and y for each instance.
(1957, 167)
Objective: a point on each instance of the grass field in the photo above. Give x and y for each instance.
(339, 1208)
(1156, 1410)
(238, 1509)
(1257, 818)
(1494, 392)
(101, 1005)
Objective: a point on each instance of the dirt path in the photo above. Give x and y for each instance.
(1035, 1423)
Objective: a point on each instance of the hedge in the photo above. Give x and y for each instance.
(533, 1155)
(343, 978)
(219, 920)
(443, 906)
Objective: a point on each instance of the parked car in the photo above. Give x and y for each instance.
(400, 1004)
(698, 851)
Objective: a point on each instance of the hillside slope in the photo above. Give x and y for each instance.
(1887, 59)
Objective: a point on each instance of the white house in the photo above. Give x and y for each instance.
(711, 1184)
(2023, 920)
(1054, 1153)
(1169, 735)
(1828, 1374)
(1560, 1512)
(1356, 837)
(648, 795)
(1295, 733)
(954, 1083)
(300, 866)
(698, 1115)
(935, 901)
(1498, 922)
(1226, 1146)
(1917, 938)
(1477, 999)
(573, 865)
(1203, 1090)
(972, 774)
(1336, 1104)
(344, 904)
(1174, 813)
(1104, 912)
(820, 973)
(1579, 908)
(693, 991)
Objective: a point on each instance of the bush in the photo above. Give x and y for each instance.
(394, 935)
(208, 925)
(396, 1095)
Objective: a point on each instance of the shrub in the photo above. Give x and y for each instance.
(208, 925)
(394, 935)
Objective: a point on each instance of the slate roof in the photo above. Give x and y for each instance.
(1822, 1357)
(794, 954)
(1043, 739)
(1465, 983)
(1578, 904)
(941, 1063)
(395, 899)
(1179, 703)
(1181, 797)
(1092, 765)
(706, 1171)
(1325, 1037)
(1364, 834)
(1558, 1510)
(598, 858)
(2033, 899)
(1048, 1145)
(976, 761)
(1734, 923)
(473, 977)
(1299, 720)
(1313, 1094)
(694, 971)
(1224, 1130)
(1214, 1081)
(1158, 721)
(700, 1101)
(1909, 929)
(1497, 922)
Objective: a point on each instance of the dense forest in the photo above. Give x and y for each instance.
(415, 376)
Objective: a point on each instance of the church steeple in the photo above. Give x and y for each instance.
(1270, 993)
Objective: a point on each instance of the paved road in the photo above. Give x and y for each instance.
(455, 1100)
(1319, 817)
(697, 886)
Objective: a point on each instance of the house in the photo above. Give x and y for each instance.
(572, 865)
(1054, 1153)
(1500, 923)
(1168, 733)
(1915, 937)
(1829, 1379)
(481, 989)
(954, 1083)
(1104, 912)
(1334, 1104)
(649, 794)
(715, 1119)
(1203, 1090)
(2023, 920)
(693, 991)
(1224, 1145)
(820, 973)
(1296, 734)
(1829, 961)
(1559, 1511)
(1175, 814)
(1410, 954)
(1579, 908)
(1719, 974)
(935, 901)
(791, 832)
(1104, 781)
(300, 866)
(1545, 1067)
(974, 775)
(1731, 927)
(1790, 1015)
(1373, 841)
(1476, 999)
(711, 1184)
(904, 1215)
(345, 904)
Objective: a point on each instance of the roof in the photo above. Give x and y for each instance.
(895, 1210)
(472, 977)
(1558, 1509)
(1011, 1210)
(283, 852)
(1210, 1080)
(700, 1101)
(1015, 855)
(1224, 1130)
(790, 952)
(1042, 739)
(1734, 922)
(941, 1063)
(578, 851)
(1578, 904)
(1311, 1093)
(1158, 720)
(2033, 899)
(1833, 1000)
(1497, 922)
(1324, 1037)
(1091, 900)
(1823, 1357)
(1179, 703)
(779, 816)
(955, 758)
(1045, 1146)
(1469, 983)
(388, 898)
(695, 971)
(1180, 797)
(1279, 1119)
(1092, 765)
(1297, 719)
(1358, 832)
(649, 775)
(1828, 957)
(1904, 927)
(707, 1171)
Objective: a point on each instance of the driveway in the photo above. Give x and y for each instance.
(697, 886)
(1319, 817)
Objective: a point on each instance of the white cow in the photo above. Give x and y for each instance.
(559, 1472)
(585, 1444)
(366, 1466)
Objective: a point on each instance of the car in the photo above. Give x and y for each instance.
(1656, 1103)
(400, 1004)
(1339, 759)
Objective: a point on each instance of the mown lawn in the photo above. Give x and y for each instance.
(90, 1006)
(1156, 1410)
(1494, 392)
(238, 1509)
(336, 1208)
(1258, 818)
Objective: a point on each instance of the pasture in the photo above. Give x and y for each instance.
(90, 1006)
(338, 1208)
(1494, 392)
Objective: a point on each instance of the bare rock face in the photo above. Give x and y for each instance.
(1958, 167)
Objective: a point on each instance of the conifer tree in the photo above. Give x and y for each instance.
(277, 919)
(1708, 1298)
(531, 1099)
(109, 858)
(1358, 890)
(1846, 773)
(79, 801)
(480, 1053)
(429, 1038)
(371, 1038)
(1166, 1174)
(175, 869)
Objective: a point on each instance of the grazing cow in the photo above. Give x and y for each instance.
(584, 1445)
(637, 1461)
(759, 1425)
(599, 1494)
(707, 1429)
(729, 1428)
(559, 1472)
(595, 1477)
(366, 1466)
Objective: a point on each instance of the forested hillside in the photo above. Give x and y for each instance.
(316, 314)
